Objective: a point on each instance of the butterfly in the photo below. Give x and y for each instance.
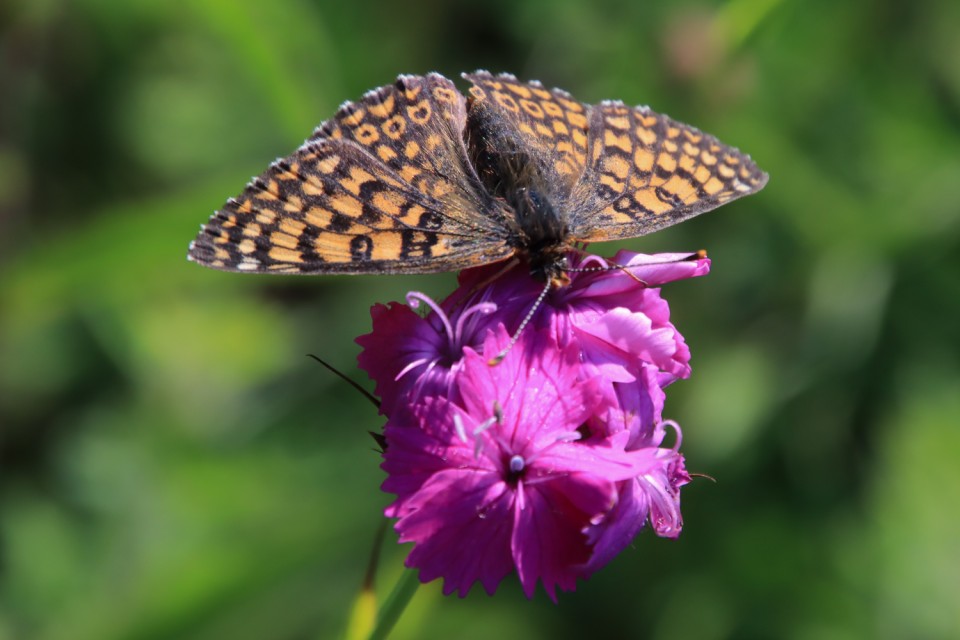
(417, 178)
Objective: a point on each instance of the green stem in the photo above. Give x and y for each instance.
(395, 603)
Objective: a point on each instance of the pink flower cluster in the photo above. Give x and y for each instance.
(550, 462)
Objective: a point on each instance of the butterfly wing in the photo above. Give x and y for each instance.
(615, 171)
(646, 171)
(385, 186)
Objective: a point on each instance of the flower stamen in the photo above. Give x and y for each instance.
(676, 429)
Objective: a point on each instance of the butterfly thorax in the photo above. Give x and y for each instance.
(537, 230)
(541, 234)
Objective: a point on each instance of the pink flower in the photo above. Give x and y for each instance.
(504, 479)
(626, 318)
(550, 462)
(407, 354)
(653, 496)
(616, 319)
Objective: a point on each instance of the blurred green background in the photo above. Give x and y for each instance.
(173, 466)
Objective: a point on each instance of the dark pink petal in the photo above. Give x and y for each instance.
(603, 359)
(662, 485)
(619, 527)
(635, 408)
(548, 542)
(652, 304)
(397, 366)
(601, 459)
(654, 495)
(422, 442)
(536, 386)
(460, 522)
(427, 358)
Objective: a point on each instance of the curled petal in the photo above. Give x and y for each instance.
(633, 333)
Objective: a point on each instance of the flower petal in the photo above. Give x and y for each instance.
(419, 448)
(548, 542)
(461, 527)
(536, 386)
(633, 333)
(617, 530)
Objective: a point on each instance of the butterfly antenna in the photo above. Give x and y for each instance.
(703, 475)
(516, 336)
(612, 267)
(699, 255)
(366, 394)
(627, 271)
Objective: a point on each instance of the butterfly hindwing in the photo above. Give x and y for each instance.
(646, 171)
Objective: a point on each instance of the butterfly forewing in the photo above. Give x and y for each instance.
(383, 187)
(646, 172)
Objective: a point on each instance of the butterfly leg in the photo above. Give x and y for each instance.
(509, 264)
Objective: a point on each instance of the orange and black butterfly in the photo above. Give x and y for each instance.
(416, 178)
